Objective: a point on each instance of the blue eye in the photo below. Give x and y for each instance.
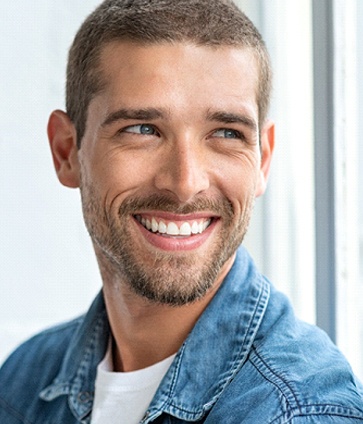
(144, 129)
(227, 133)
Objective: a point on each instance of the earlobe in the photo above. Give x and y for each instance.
(63, 144)
(267, 147)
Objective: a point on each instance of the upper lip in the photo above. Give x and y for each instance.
(169, 216)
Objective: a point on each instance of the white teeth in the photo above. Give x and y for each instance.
(154, 225)
(172, 229)
(162, 227)
(195, 228)
(185, 229)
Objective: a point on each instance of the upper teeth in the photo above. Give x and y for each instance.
(172, 229)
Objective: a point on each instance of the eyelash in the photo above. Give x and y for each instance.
(127, 129)
(237, 134)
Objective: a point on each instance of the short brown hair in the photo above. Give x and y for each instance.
(202, 22)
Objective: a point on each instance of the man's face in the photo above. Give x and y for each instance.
(170, 165)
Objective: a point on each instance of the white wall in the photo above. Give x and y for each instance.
(47, 269)
(282, 236)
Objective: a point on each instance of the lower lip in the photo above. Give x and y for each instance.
(170, 243)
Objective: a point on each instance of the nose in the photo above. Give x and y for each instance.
(183, 170)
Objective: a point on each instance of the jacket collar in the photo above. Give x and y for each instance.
(78, 371)
(217, 347)
(208, 360)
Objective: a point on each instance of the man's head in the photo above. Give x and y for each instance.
(173, 149)
(147, 22)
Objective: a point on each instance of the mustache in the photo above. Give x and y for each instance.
(165, 203)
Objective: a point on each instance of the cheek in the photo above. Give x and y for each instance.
(119, 175)
(238, 179)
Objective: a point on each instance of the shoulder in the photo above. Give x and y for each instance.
(42, 349)
(307, 380)
(307, 373)
(293, 374)
(34, 364)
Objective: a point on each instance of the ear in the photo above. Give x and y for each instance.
(63, 144)
(267, 147)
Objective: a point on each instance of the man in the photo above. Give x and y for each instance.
(166, 135)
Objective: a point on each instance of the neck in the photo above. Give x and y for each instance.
(145, 332)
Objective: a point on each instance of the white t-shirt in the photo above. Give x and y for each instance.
(123, 397)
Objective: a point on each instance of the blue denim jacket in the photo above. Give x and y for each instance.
(247, 360)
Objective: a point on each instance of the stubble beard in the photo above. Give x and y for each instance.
(164, 278)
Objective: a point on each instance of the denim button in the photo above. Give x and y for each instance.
(84, 397)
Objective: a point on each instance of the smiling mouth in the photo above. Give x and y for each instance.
(171, 228)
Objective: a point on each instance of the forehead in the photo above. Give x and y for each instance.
(178, 73)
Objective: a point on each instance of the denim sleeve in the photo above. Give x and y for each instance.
(322, 419)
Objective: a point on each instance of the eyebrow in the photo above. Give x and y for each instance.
(231, 118)
(147, 114)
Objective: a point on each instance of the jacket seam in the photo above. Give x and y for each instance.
(254, 322)
(297, 412)
(13, 412)
(275, 383)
